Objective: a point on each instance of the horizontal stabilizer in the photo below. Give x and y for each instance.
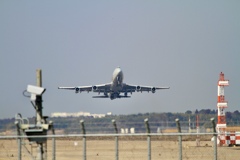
(108, 97)
(100, 97)
(124, 96)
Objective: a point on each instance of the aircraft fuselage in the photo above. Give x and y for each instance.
(117, 83)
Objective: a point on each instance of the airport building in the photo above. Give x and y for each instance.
(79, 114)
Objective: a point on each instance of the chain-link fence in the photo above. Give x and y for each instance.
(120, 147)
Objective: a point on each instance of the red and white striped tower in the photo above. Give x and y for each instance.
(221, 105)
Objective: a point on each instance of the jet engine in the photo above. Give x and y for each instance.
(94, 88)
(138, 88)
(76, 90)
(153, 90)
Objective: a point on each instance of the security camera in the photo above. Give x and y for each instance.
(35, 90)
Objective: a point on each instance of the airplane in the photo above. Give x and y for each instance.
(114, 89)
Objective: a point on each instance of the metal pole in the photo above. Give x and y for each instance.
(39, 98)
(215, 138)
(53, 149)
(148, 138)
(19, 148)
(53, 142)
(19, 140)
(147, 125)
(40, 151)
(84, 139)
(116, 139)
(44, 121)
(179, 139)
(38, 104)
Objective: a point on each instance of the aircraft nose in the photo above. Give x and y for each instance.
(118, 70)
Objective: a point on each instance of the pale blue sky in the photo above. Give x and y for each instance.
(181, 44)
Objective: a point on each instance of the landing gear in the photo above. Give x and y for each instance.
(113, 95)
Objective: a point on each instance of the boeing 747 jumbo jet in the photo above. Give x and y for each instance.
(113, 89)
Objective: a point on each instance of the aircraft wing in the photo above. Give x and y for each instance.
(128, 88)
(97, 88)
(102, 88)
(140, 88)
(78, 88)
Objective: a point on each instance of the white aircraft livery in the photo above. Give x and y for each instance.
(114, 89)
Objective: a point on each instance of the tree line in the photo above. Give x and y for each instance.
(156, 120)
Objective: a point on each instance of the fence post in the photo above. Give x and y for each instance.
(179, 139)
(116, 139)
(148, 138)
(19, 140)
(215, 138)
(53, 141)
(84, 139)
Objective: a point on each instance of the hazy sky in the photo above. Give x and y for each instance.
(181, 44)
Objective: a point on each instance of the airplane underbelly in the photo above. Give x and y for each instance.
(116, 88)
